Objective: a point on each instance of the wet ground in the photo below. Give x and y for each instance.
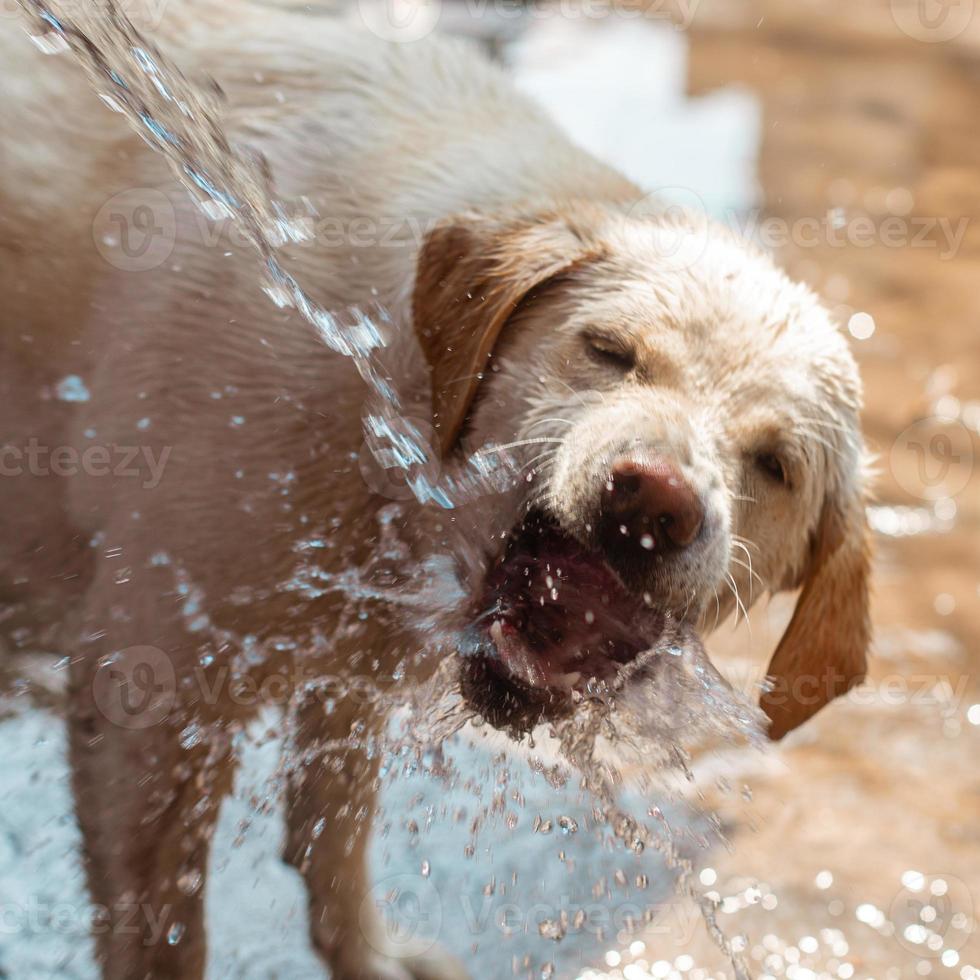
(844, 139)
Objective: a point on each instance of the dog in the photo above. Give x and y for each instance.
(696, 414)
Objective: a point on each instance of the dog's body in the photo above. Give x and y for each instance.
(225, 550)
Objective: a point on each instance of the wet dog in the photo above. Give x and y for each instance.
(685, 416)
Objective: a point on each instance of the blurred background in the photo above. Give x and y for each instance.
(844, 137)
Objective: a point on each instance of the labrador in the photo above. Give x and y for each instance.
(189, 510)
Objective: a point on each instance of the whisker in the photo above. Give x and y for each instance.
(690, 599)
(717, 607)
(748, 555)
(738, 601)
(515, 445)
(555, 419)
(744, 541)
(752, 574)
(549, 454)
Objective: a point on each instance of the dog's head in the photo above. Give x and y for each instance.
(692, 442)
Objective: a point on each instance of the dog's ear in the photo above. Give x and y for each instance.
(472, 276)
(823, 652)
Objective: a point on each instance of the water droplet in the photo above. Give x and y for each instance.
(190, 736)
(72, 389)
(50, 43)
(175, 933)
(190, 881)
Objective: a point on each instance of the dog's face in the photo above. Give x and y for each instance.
(690, 427)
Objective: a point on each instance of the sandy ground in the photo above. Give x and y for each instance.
(854, 849)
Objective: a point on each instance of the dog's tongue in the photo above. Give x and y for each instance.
(555, 616)
(521, 662)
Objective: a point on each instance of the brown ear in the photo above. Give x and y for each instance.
(823, 652)
(472, 276)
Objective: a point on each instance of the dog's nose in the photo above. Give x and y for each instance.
(650, 502)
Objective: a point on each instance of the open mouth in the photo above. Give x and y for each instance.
(554, 623)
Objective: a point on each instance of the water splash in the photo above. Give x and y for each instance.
(682, 705)
(183, 123)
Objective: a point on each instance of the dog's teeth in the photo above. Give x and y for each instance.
(570, 680)
(497, 632)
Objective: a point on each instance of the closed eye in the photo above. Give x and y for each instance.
(610, 352)
(772, 467)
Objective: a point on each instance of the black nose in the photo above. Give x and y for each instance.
(650, 504)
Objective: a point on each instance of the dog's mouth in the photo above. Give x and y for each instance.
(554, 623)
